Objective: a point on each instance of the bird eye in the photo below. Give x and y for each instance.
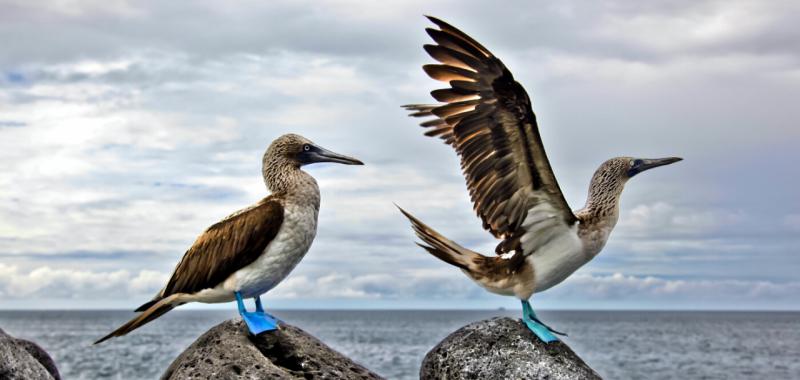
(633, 163)
(306, 147)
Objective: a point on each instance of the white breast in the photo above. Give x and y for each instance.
(281, 255)
(554, 249)
(557, 260)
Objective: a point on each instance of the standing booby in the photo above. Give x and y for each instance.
(252, 250)
(487, 118)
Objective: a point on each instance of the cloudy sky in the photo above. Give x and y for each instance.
(126, 128)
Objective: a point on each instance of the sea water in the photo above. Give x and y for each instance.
(617, 344)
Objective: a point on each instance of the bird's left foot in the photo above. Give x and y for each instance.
(541, 330)
(534, 319)
(257, 321)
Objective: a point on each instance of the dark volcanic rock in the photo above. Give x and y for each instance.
(501, 348)
(228, 351)
(24, 360)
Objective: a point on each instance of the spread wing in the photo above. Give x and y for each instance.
(226, 247)
(487, 117)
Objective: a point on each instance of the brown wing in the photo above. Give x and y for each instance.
(226, 247)
(487, 118)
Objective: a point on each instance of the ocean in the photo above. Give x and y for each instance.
(617, 344)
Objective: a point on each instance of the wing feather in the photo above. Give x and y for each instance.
(447, 73)
(487, 117)
(226, 247)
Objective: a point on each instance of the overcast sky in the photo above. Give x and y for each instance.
(127, 128)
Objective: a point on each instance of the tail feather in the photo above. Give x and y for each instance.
(444, 248)
(444, 256)
(147, 305)
(153, 311)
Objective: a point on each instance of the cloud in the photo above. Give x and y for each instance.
(121, 132)
(644, 220)
(698, 26)
(450, 288)
(403, 284)
(618, 287)
(47, 282)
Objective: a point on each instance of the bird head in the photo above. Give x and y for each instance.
(300, 151)
(610, 178)
(638, 165)
(619, 169)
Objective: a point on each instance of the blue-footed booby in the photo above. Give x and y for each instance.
(252, 250)
(486, 116)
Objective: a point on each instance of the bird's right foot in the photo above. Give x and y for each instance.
(257, 321)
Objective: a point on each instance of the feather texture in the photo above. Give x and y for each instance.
(487, 117)
(226, 247)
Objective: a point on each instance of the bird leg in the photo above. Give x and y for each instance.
(259, 307)
(544, 332)
(257, 321)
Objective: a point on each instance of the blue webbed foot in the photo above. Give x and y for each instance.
(544, 332)
(257, 321)
(540, 330)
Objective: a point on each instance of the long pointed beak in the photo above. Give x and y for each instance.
(320, 154)
(650, 163)
(656, 162)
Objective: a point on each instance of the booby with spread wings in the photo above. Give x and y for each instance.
(252, 250)
(486, 116)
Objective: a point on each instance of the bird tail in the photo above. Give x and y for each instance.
(153, 311)
(446, 249)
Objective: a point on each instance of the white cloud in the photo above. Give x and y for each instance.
(47, 282)
(449, 286)
(618, 287)
(131, 135)
(78, 8)
(702, 25)
(402, 284)
(662, 218)
(639, 75)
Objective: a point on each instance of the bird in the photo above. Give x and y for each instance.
(487, 117)
(251, 251)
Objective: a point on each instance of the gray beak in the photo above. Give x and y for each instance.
(649, 163)
(319, 154)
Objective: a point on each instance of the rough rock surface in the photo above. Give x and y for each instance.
(22, 359)
(501, 348)
(227, 351)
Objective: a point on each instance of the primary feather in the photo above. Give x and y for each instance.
(487, 117)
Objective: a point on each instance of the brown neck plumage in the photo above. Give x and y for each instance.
(602, 204)
(284, 176)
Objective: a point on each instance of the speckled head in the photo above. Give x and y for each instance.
(297, 151)
(610, 178)
(624, 168)
(638, 165)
